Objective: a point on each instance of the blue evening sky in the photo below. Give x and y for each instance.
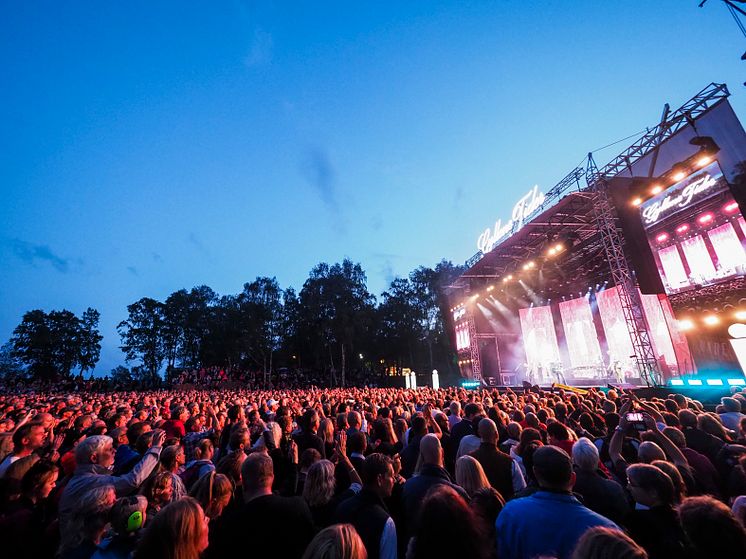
(151, 146)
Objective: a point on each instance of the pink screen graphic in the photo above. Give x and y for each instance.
(615, 328)
(580, 333)
(728, 248)
(673, 268)
(659, 334)
(699, 260)
(539, 337)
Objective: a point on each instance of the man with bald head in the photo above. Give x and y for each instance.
(431, 473)
(551, 521)
(501, 470)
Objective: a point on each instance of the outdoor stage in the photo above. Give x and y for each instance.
(632, 274)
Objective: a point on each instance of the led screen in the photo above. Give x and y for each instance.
(696, 231)
(540, 341)
(580, 333)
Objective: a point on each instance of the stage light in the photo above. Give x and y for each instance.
(731, 207)
(657, 189)
(694, 382)
(552, 251)
(704, 160)
(475, 297)
(711, 320)
(529, 265)
(490, 288)
(685, 324)
(706, 218)
(662, 237)
(680, 175)
(676, 382)
(714, 382)
(558, 247)
(682, 228)
(637, 201)
(737, 382)
(740, 315)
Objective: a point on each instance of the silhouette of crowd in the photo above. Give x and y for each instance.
(370, 472)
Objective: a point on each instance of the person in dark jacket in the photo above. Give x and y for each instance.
(269, 523)
(501, 470)
(431, 474)
(308, 438)
(367, 512)
(601, 495)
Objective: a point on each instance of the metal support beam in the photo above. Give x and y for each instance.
(476, 360)
(629, 295)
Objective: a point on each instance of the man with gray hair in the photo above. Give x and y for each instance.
(94, 457)
(601, 495)
(501, 470)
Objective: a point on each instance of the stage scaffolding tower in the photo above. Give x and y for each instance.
(476, 360)
(629, 295)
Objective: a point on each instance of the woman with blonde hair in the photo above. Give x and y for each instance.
(178, 532)
(470, 475)
(326, 432)
(340, 541)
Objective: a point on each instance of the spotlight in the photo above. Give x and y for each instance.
(704, 160)
(711, 320)
(558, 247)
(685, 324)
(731, 207)
(682, 228)
(705, 218)
(637, 201)
(552, 251)
(740, 315)
(529, 265)
(490, 288)
(657, 189)
(679, 175)
(475, 297)
(662, 237)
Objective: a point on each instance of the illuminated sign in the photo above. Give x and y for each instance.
(470, 384)
(524, 208)
(681, 195)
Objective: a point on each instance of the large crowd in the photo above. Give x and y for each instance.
(370, 472)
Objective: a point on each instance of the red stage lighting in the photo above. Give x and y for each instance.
(731, 207)
(705, 218)
(662, 237)
(682, 228)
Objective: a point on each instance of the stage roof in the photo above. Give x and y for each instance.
(570, 221)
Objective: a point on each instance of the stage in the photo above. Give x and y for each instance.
(630, 274)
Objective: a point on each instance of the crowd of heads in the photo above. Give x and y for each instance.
(369, 472)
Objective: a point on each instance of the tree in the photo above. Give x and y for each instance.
(142, 335)
(11, 368)
(90, 340)
(121, 375)
(337, 311)
(400, 322)
(53, 344)
(261, 310)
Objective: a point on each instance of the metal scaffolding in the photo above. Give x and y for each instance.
(476, 360)
(629, 295)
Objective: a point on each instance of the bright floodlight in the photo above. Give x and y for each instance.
(657, 189)
(686, 324)
(704, 161)
(637, 201)
(740, 315)
(679, 176)
(559, 247)
(711, 320)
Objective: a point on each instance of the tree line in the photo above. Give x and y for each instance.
(333, 325)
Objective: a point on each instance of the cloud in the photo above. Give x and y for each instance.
(132, 270)
(193, 240)
(32, 254)
(318, 171)
(260, 51)
(157, 257)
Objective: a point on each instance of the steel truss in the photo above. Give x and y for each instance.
(476, 360)
(629, 295)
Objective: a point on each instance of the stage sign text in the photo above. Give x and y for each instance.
(524, 208)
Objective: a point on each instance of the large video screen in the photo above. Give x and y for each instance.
(580, 333)
(540, 341)
(696, 231)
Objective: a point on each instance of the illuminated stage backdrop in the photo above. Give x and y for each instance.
(615, 328)
(580, 333)
(539, 337)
